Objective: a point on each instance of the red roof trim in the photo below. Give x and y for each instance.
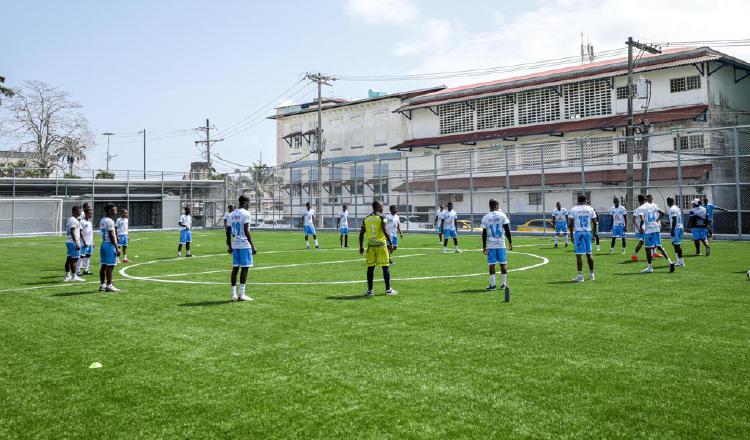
(675, 114)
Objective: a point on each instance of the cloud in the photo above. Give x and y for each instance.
(382, 11)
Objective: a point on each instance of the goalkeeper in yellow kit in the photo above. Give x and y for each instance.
(378, 247)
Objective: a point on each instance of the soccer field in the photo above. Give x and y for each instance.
(627, 356)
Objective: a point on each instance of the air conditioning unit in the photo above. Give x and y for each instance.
(641, 88)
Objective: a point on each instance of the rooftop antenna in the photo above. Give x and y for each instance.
(587, 51)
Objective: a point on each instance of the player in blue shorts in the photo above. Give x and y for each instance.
(342, 224)
(580, 221)
(651, 229)
(73, 245)
(448, 226)
(308, 220)
(619, 224)
(108, 252)
(393, 222)
(495, 228)
(439, 221)
(698, 221)
(87, 241)
(121, 225)
(186, 234)
(560, 217)
(240, 246)
(676, 230)
(710, 208)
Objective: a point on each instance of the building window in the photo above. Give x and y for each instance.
(444, 198)
(537, 106)
(684, 84)
(297, 141)
(531, 155)
(494, 112)
(456, 117)
(689, 142)
(535, 198)
(622, 92)
(686, 200)
(455, 163)
(597, 151)
(588, 98)
(638, 146)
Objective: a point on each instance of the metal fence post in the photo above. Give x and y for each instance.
(435, 177)
(583, 169)
(544, 207)
(127, 190)
(356, 191)
(93, 190)
(332, 192)
(471, 186)
(737, 188)
(679, 171)
(507, 181)
(380, 180)
(408, 206)
(13, 207)
(291, 199)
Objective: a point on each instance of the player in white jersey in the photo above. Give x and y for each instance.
(342, 224)
(439, 221)
(495, 228)
(448, 226)
(108, 252)
(698, 221)
(121, 225)
(638, 226)
(240, 246)
(560, 217)
(676, 229)
(580, 220)
(308, 221)
(619, 224)
(73, 245)
(87, 242)
(651, 229)
(186, 234)
(230, 208)
(394, 229)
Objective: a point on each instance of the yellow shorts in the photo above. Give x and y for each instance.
(377, 256)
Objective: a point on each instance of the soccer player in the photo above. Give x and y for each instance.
(342, 224)
(394, 230)
(378, 246)
(710, 207)
(308, 220)
(619, 224)
(495, 227)
(240, 246)
(448, 226)
(108, 252)
(439, 221)
(698, 221)
(186, 235)
(638, 226)
(87, 239)
(227, 227)
(560, 216)
(83, 210)
(580, 219)
(650, 228)
(121, 225)
(676, 230)
(595, 230)
(73, 245)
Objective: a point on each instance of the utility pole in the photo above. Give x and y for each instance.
(109, 156)
(629, 128)
(144, 154)
(320, 80)
(208, 143)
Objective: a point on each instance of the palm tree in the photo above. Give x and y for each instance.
(71, 151)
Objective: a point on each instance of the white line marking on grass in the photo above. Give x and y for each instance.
(124, 273)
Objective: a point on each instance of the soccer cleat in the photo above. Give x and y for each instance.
(445, 250)
(67, 278)
(634, 258)
(658, 255)
(578, 279)
(457, 251)
(671, 267)
(317, 247)
(555, 246)
(647, 270)
(491, 288)
(112, 289)
(86, 272)
(611, 251)
(681, 264)
(391, 292)
(390, 262)
(245, 298)
(369, 293)
(698, 254)
(125, 260)
(597, 248)
(566, 244)
(592, 277)
(623, 251)
(102, 288)
(708, 251)
(504, 286)
(234, 297)
(189, 255)
(77, 278)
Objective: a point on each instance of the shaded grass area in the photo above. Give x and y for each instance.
(628, 356)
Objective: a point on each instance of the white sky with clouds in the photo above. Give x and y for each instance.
(173, 63)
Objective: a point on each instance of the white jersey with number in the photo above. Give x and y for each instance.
(106, 225)
(560, 215)
(618, 215)
(637, 214)
(237, 221)
(75, 225)
(439, 215)
(122, 226)
(582, 216)
(186, 220)
(449, 217)
(393, 222)
(87, 231)
(675, 212)
(493, 222)
(308, 216)
(650, 213)
(343, 219)
(226, 217)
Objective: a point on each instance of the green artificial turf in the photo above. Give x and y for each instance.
(628, 356)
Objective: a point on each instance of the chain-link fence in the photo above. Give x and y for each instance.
(528, 179)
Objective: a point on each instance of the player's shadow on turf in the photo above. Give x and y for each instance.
(206, 303)
(73, 293)
(561, 282)
(351, 297)
(475, 291)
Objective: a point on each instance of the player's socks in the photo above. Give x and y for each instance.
(234, 293)
(102, 287)
(556, 240)
(316, 243)
(456, 249)
(504, 278)
(179, 254)
(68, 277)
(597, 247)
(708, 251)
(623, 251)
(307, 244)
(445, 249)
(492, 280)
(188, 254)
